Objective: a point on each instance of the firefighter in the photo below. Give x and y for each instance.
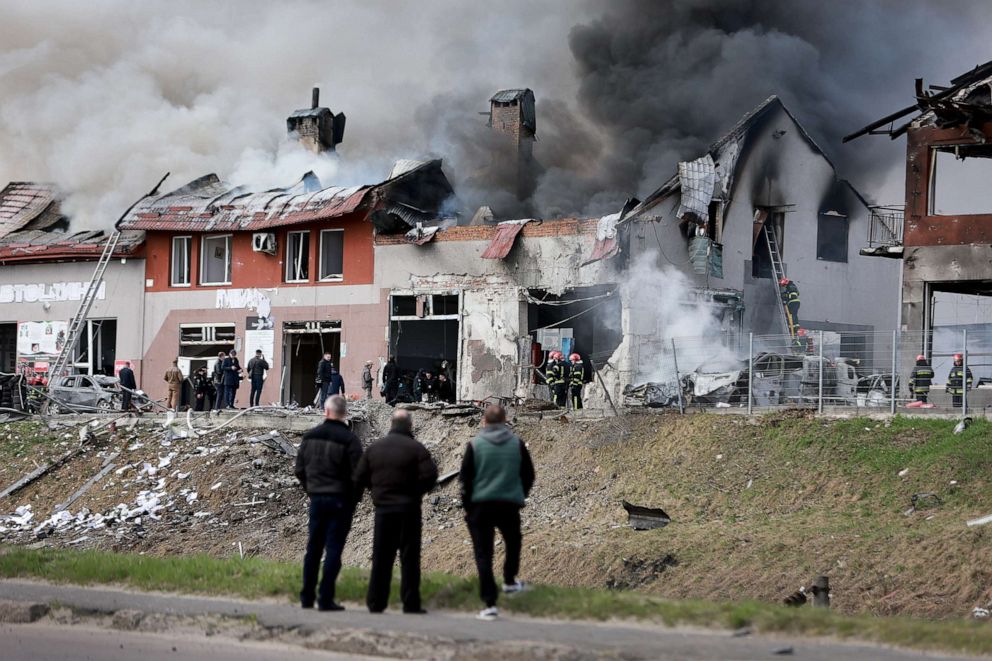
(921, 378)
(557, 376)
(958, 380)
(790, 297)
(576, 379)
(804, 341)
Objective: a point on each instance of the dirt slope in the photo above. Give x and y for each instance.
(759, 506)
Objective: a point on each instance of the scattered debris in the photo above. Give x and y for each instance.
(784, 651)
(922, 501)
(645, 518)
(86, 487)
(796, 599)
(980, 613)
(961, 426)
(276, 441)
(980, 522)
(904, 472)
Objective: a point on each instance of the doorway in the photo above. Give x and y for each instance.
(8, 348)
(303, 345)
(423, 335)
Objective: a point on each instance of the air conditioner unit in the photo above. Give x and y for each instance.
(263, 242)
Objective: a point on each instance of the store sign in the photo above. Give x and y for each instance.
(55, 292)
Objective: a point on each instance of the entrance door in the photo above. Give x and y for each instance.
(304, 344)
(8, 348)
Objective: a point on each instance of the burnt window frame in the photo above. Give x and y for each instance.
(306, 234)
(822, 242)
(953, 150)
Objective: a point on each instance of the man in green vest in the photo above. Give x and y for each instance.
(496, 476)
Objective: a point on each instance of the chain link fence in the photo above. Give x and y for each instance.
(823, 370)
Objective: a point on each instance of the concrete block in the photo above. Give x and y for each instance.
(21, 612)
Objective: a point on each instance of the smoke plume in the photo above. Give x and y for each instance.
(103, 97)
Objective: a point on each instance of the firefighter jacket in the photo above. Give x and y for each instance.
(790, 293)
(958, 380)
(555, 373)
(577, 374)
(922, 377)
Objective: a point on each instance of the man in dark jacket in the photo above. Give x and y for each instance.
(201, 389)
(398, 471)
(325, 369)
(325, 462)
(391, 381)
(336, 386)
(128, 384)
(790, 298)
(958, 380)
(257, 367)
(232, 378)
(218, 379)
(921, 378)
(496, 475)
(445, 389)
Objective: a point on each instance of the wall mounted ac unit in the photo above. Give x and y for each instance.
(263, 242)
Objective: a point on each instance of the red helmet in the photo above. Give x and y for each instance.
(574, 357)
(783, 281)
(958, 356)
(554, 355)
(921, 357)
(801, 332)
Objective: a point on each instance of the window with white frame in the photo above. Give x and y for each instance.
(181, 260)
(215, 260)
(331, 255)
(298, 256)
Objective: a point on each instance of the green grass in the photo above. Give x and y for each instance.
(256, 577)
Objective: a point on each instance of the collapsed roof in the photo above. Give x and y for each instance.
(414, 192)
(966, 102)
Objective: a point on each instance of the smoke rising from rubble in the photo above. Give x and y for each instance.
(104, 97)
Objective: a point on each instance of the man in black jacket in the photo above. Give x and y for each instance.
(325, 462)
(257, 367)
(390, 380)
(128, 384)
(496, 475)
(325, 372)
(398, 471)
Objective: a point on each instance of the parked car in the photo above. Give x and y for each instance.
(81, 392)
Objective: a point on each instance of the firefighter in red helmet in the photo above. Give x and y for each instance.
(921, 378)
(790, 298)
(576, 379)
(958, 380)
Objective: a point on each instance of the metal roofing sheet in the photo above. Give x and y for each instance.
(21, 202)
(506, 234)
(505, 96)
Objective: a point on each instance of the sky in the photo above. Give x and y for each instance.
(104, 97)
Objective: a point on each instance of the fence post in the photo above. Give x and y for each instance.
(819, 404)
(750, 371)
(678, 379)
(964, 375)
(893, 378)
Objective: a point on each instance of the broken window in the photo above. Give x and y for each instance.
(181, 261)
(959, 181)
(442, 305)
(831, 237)
(101, 334)
(215, 260)
(298, 256)
(404, 306)
(331, 255)
(192, 334)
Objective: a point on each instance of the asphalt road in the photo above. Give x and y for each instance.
(34, 642)
(634, 641)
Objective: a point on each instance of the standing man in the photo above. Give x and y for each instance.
(218, 379)
(325, 462)
(232, 378)
(174, 379)
(128, 384)
(921, 378)
(398, 471)
(445, 389)
(325, 369)
(336, 386)
(496, 475)
(201, 389)
(790, 298)
(958, 380)
(558, 379)
(367, 379)
(391, 379)
(257, 367)
(576, 379)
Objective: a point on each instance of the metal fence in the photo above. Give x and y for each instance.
(823, 370)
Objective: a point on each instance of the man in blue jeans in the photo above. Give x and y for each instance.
(325, 462)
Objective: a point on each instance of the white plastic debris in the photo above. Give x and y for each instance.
(904, 472)
(216, 486)
(192, 496)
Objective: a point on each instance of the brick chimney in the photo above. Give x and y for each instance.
(318, 129)
(512, 113)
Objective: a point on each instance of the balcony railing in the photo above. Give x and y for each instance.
(885, 227)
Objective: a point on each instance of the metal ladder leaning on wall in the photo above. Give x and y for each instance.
(778, 272)
(82, 313)
(78, 321)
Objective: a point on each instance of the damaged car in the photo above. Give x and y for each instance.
(81, 392)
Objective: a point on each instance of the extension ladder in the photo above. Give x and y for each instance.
(778, 272)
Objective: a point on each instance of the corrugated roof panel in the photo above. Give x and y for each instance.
(506, 235)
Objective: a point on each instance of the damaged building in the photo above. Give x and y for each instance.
(943, 233)
(45, 269)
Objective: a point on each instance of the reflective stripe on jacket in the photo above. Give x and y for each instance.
(955, 380)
